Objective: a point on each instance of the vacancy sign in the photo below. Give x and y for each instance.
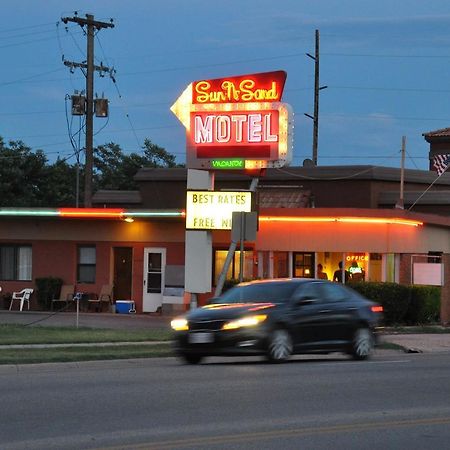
(213, 210)
(237, 122)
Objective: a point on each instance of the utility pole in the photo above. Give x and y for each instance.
(317, 88)
(88, 68)
(401, 202)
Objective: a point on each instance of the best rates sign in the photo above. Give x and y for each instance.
(236, 122)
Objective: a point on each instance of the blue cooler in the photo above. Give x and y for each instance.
(125, 307)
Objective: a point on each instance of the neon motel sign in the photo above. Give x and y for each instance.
(237, 122)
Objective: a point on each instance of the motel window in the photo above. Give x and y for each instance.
(233, 271)
(303, 265)
(15, 262)
(87, 262)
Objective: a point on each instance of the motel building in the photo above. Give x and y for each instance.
(130, 241)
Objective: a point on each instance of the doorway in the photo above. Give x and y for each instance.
(123, 268)
(154, 279)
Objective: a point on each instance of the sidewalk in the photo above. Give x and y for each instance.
(420, 343)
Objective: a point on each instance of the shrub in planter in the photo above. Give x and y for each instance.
(424, 306)
(48, 288)
(394, 297)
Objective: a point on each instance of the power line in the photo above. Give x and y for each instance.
(386, 55)
(27, 27)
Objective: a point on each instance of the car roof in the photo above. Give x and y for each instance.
(280, 280)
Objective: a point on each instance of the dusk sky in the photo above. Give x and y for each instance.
(386, 65)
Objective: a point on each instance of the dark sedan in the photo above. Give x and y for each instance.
(277, 318)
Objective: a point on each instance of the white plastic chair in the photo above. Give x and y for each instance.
(23, 296)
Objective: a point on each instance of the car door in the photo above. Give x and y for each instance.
(340, 312)
(309, 317)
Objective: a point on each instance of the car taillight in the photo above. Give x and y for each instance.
(377, 309)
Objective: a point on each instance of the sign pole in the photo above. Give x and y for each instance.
(241, 250)
(77, 297)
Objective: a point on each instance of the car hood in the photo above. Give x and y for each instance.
(227, 311)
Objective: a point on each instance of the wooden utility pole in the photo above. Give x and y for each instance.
(88, 69)
(316, 101)
(401, 201)
(317, 89)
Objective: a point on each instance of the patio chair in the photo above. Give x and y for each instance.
(104, 297)
(22, 296)
(65, 296)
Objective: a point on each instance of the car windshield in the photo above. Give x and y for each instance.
(277, 292)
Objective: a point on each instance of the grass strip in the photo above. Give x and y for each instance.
(74, 354)
(22, 334)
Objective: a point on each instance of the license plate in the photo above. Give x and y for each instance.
(201, 338)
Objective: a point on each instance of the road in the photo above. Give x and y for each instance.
(393, 401)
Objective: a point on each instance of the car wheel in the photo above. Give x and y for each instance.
(280, 346)
(191, 358)
(362, 344)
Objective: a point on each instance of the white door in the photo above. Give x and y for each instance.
(154, 269)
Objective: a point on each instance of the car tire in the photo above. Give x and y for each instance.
(191, 358)
(279, 347)
(362, 344)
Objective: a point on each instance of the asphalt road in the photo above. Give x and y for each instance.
(394, 401)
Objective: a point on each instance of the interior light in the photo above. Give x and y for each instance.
(129, 219)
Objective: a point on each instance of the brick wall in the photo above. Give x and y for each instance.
(405, 269)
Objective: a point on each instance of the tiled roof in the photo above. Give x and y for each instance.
(443, 132)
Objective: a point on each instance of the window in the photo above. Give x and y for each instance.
(309, 291)
(334, 292)
(15, 262)
(233, 271)
(278, 292)
(86, 264)
(303, 265)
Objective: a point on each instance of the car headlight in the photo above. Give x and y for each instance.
(249, 321)
(179, 324)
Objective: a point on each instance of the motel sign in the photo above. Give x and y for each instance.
(236, 122)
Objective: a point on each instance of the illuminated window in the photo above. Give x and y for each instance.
(233, 271)
(87, 262)
(15, 262)
(303, 265)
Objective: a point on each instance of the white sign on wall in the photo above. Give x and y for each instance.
(213, 210)
(427, 274)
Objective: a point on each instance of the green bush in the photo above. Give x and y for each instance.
(394, 298)
(48, 288)
(403, 305)
(425, 305)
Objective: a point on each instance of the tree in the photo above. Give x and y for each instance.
(21, 175)
(115, 170)
(28, 180)
(157, 156)
(60, 184)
